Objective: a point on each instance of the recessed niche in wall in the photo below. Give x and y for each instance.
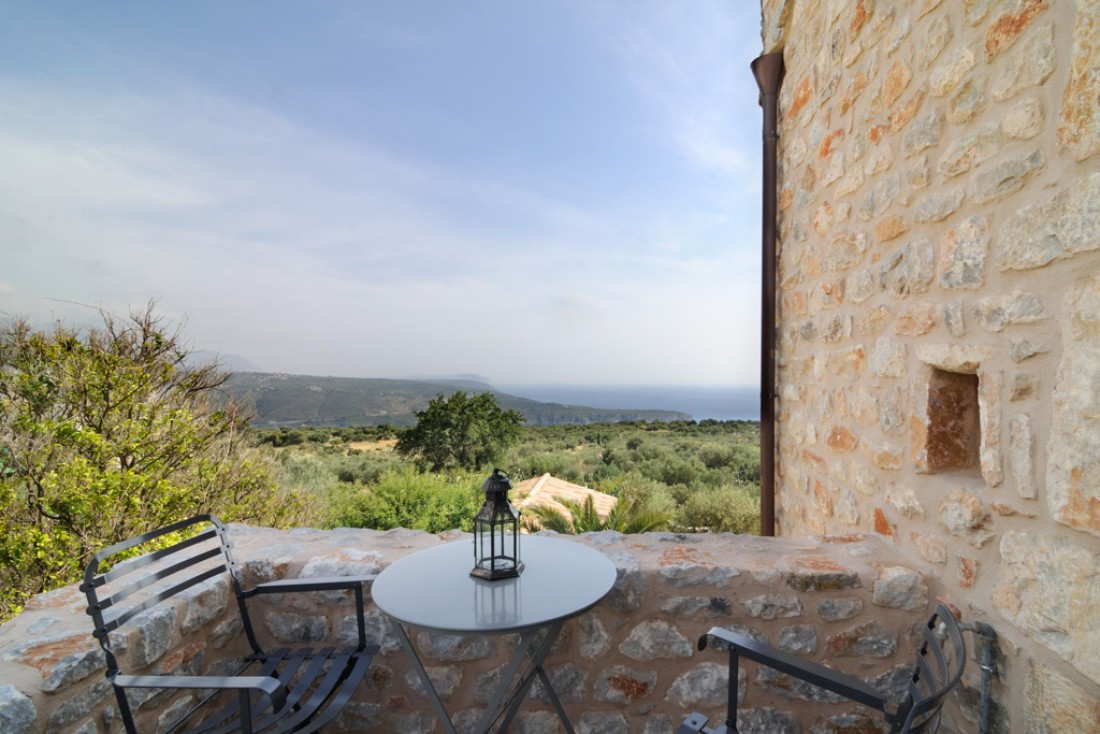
(954, 425)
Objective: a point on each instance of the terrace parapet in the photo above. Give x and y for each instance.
(628, 665)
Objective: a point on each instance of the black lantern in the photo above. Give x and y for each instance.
(496, 532)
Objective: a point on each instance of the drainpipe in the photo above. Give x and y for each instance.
(987, 661)
(768, 70)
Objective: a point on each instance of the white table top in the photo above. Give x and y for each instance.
(432, 589)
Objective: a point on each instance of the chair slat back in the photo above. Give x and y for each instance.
(135, 575)
(940, 662)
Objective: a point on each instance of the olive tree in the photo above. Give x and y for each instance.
(460, 431)
(109, 432)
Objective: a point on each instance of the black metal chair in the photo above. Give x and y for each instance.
(940, 662)
(270, 692)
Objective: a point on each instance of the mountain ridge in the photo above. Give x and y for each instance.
(279, 400)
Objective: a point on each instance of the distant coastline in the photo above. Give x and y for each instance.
(703, 403)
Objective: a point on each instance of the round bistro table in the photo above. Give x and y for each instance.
(432, 590)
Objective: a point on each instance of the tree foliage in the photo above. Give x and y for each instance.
(460, 431)
(106, 433)
(625, 517)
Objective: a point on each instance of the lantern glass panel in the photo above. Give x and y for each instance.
(496, 532)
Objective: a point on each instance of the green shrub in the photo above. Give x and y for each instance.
(406, 498)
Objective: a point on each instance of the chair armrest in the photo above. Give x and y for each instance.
(321, 583)
(265, 684)
(820, 675)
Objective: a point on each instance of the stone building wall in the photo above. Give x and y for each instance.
(628, 665)
(939, 314)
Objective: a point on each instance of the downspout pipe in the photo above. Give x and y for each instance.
(768, 70)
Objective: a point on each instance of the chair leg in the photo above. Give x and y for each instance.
(694, 724)
(732, 691)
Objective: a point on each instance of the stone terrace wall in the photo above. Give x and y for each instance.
(629, 665)
(939, 358)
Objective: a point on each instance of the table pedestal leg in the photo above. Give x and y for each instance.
(410, 651)
(534, 645)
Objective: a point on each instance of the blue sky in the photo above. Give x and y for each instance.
(537, 192)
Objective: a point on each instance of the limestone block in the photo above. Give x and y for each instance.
(976, 10)
(1005, 177)
(697, 607)
(935, 39)
(861, 286)
(931, 547)
(904, 500)
(771, 606)
(155, 628)
(1079, 119)
(1026, 348)
(767, 719)
(1025, 120)
(1059, 227)
(798, 639)
(568, 681)
(841, 439)
(447, 648)
(963, 252)
(1073, 462)
(953, 318)
(888, 358)
(630, 584)
(874, 321)
(1025, 386)
(996, 312)
(445, 680)
(879, 198)
(75, 708)
(939, 205)
(895, 81)
(1030, 65)
(293, 627)
(62, 658)
(620, 684)
(918, 319)
(967, 102)
(205, 603)
(923, 133)
(1055, 704)
(704, 686)
(594, 640)
(898, 587)
(970, 152)
(990, 388)
(685, 566)
(1019, 456)
(656, 640)
(836, 610)
(950, 72)
(870, 639)
(1007, 27)
(1049, 588)
(821, 574)
(962, 514)
(17, 712)
(893, 408)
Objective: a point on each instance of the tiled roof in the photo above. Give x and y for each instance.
(541, 491)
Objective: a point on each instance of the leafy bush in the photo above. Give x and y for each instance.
(730, 509)
(407, 498)
(108, 433)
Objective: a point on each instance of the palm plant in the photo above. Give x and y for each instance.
(625, 517)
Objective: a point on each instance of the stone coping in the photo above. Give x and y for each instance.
(628, 665)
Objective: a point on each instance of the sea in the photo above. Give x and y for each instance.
(701, 403)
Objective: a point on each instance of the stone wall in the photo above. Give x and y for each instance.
(629, 665)
(939, 315)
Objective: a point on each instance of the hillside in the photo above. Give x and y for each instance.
(279, 400)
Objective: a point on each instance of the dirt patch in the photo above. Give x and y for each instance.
(385, 444)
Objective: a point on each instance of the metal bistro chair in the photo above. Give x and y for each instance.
(285, 690)
(940, 662)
